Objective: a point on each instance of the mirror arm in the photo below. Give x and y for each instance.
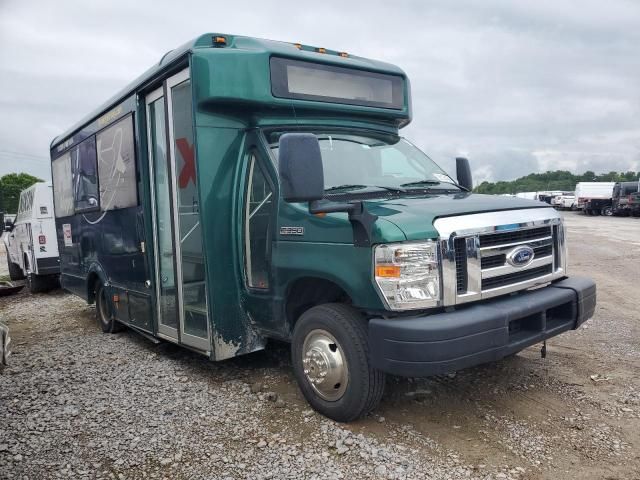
(361, 219)
(327, 206)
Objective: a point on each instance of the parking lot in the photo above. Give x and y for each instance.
(76, 403)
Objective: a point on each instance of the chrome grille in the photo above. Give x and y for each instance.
(516, 236)
(475, 253)
(494, 248)
(509, 278)
(461, 264)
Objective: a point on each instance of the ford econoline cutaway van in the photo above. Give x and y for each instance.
(245, 190)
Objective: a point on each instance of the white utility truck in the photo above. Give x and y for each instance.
(594, 197)
(31, 243)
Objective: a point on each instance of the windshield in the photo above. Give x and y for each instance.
(356, 162)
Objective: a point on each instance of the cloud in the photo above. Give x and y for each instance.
(516, 86)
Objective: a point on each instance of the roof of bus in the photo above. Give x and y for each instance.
(208, 41)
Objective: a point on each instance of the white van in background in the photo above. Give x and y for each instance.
(31, 243)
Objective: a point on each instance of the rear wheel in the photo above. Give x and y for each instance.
(105, 317)
(36, 283)
(330, 356)
(15, 272)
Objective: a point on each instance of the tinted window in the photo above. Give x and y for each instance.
(328, 83)
(117, 166)
(62, 185)
(85, 175)
(257, 225)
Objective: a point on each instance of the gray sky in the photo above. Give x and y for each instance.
(517, 86)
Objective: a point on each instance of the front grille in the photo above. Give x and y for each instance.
(543, 251)
(462, 276)
(492, 239)
(493, 261)
(475, 250)
(499, 260)
(508, 279)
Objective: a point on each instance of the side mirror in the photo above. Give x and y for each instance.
(463, 173)
(300, 168)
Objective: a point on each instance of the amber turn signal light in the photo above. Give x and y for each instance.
(388, 271)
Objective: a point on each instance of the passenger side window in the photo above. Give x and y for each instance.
(85, 175)
(62, 185)
(117, 165)
(258, 215)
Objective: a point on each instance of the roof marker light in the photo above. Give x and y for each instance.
(321, 50)
(344, 54)
(219, 40)
(298, 46)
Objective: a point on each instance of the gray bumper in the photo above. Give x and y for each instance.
(48, 265)
(485, 332)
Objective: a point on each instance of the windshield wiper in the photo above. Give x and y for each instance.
(421, 182)
(358, 187)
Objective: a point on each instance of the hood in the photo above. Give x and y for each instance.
(415, 215)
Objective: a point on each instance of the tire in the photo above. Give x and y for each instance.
(607, 211)
(104, 315)
(336, 332)
(15, 272)
(37, 283)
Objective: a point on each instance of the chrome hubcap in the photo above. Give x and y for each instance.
(324, 365)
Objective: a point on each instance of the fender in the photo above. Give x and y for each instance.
(95, 270)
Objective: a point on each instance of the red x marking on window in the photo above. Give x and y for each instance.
(189, 169)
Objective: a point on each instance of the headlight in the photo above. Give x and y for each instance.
(407, 274)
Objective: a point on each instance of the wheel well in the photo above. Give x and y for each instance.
(308, 292)
(92, 282)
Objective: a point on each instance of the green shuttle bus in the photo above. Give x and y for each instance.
(243, 190)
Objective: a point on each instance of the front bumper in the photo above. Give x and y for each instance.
(485, 332)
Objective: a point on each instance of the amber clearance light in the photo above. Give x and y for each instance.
(388, 271)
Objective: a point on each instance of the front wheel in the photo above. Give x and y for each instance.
(107, 321)
(330, 356)
(607, 211)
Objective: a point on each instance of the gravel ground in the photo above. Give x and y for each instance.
(75, 403)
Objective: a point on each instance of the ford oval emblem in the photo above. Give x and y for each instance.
(520, 256)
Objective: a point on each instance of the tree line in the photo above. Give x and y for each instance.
(10, 187)
(558, 180)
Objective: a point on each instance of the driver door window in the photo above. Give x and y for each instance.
(257, 221)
